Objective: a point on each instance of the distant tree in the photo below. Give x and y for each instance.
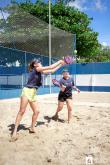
(104, 55)
(13, 1)
(65, 2)
(71, 20)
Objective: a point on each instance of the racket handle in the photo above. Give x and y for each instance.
(56, 83)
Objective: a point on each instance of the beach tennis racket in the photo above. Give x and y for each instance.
(56, 82)
(69, 59)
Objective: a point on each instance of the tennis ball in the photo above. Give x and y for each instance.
(75, 51)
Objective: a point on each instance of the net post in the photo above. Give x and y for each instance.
(74, 54)
(25, 64)
(50, 56)
(22, 80)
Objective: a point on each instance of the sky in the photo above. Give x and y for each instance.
(99, 10)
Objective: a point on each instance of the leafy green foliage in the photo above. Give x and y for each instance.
(104, 55)
(71, 20)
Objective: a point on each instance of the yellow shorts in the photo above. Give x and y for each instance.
(30, 93)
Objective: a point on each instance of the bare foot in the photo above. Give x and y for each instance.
(14, 138)
(70, 122)
(32, 130)
(55, 117)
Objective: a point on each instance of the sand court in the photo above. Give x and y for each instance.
(58, 143)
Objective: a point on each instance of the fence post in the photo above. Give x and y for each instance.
(22, 79)
(25, 63)
(74, 54)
